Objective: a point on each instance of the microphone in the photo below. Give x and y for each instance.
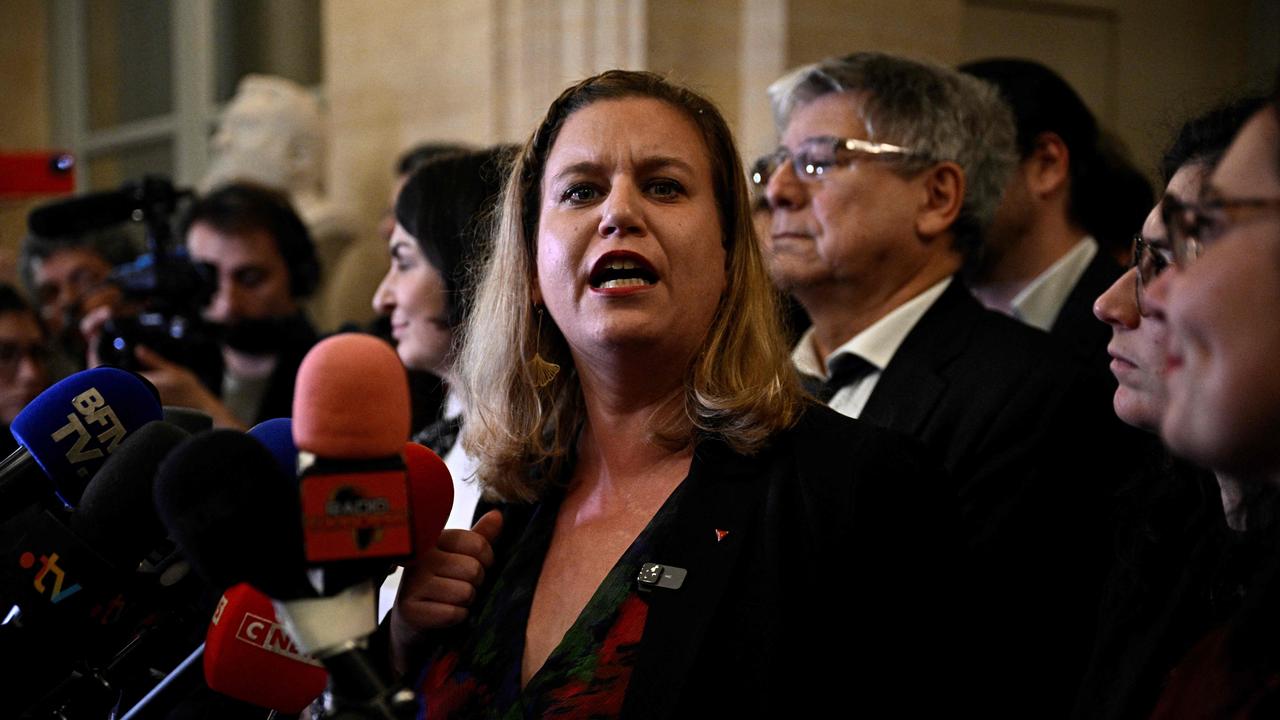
(67, 433)
(78, 215)
(189, 419)
(246, 644)
(225, 501)
(351, 411)
(276, 435)
(83, 601)
(431, 490)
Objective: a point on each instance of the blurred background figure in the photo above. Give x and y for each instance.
(1040, 262)
(24, 356)
(442, 219)
(66, 278)
(273, 133)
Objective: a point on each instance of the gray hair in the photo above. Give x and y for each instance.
(941, 114)
(114, 244)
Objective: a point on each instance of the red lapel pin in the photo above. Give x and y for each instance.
(720, 534)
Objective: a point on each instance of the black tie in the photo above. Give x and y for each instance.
(846, 369)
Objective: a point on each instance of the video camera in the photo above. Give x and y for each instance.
(164, 291)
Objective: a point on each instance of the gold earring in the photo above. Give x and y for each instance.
(541, 371)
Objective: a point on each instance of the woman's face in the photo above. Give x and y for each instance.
(630, 249)
(413, 295)
(1137, 345)
(1224, 337)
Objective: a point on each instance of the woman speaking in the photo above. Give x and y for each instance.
(682, 530)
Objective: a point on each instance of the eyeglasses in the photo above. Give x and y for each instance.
(1150, 256)
(1192, 226)
(11, 354)
(818, 156)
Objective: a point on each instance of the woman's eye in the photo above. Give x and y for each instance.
(665, 188)
(579, 194)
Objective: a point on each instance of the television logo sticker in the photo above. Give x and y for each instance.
(90, 409)
(269, 635)
(48, 565)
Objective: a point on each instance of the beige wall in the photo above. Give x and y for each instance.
(398, 72)
(25, 123)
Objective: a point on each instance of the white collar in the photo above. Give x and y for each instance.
(876, 344)
(1041, 300)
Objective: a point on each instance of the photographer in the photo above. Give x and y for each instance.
(265, 264)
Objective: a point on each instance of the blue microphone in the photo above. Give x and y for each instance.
(69, 431)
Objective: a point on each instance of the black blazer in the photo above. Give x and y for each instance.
(1076, 325)
(841, 545)
(1021, 429)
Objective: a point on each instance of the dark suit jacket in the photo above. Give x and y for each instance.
(1076, 325)
(829, 594)
(1016, 422)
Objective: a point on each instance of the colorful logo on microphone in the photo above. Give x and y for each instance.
(348, 516)
(49, 570)
(270, 635)
(90, 410)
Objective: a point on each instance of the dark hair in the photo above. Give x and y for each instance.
(446, 206)
(1042, 102)
(1205, 139)
(113, 244)
(243, 207)
(1116, 198)
(415, 157)
(11, 301)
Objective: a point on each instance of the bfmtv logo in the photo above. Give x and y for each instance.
(90, 409)
(269, 635)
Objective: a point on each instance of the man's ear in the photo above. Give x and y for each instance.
(944, 196)
(1048, 168)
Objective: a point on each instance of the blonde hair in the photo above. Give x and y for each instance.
(739, 387)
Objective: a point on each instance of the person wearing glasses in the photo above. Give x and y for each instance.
(889, 170)
(1186, 537)
(1223, 408)
(24, 356)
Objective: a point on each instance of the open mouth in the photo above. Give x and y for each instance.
(622, 270)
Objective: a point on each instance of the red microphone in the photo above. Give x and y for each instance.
(431, 489)
(351, 411)
(249, 656)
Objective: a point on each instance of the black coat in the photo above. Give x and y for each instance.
(841, 544)
(1023, 429)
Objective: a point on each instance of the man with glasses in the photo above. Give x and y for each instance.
(1039, 263)
(887, 174)
(24, 372)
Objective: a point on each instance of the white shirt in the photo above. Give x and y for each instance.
(466, 495)
(877, 345)
(1041, 300)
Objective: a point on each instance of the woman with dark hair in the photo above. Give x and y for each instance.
(676, 510)
(442, 217)
(1219, 299)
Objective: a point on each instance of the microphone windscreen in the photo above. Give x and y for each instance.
(81, 214)
(351, 399)
(276, 435)
(430, 494)
(73, 426)
(189, 419)
(250, 657)
(116, 514)
(234, 515)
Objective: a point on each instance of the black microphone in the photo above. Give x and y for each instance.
(91, 211)
(238, 517)
(88, 616)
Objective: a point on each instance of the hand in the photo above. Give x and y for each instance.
(437, 589)
(179, 386)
